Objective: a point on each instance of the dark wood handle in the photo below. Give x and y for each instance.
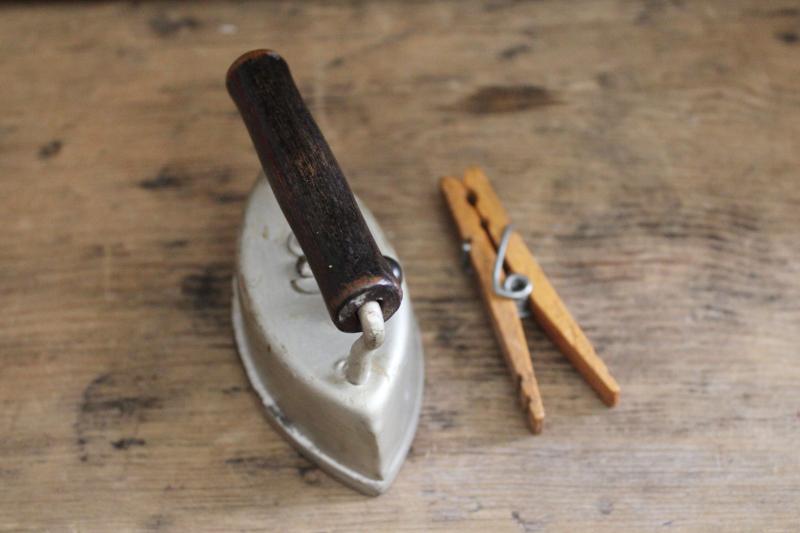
(311, 190)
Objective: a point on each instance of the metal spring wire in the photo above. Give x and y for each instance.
(516, 287)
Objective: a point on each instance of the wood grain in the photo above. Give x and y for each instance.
(647, 152)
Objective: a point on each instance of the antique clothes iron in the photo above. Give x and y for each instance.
(352, 407)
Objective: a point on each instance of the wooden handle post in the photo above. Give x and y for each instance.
(311, 190)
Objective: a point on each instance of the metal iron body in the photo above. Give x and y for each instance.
(294, 357)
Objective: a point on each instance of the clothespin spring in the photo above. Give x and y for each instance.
(516, 286)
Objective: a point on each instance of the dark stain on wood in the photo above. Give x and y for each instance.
(166, 178)
(7, 130)
(440, 419)
(194, 183)
(95, 251)
(787, 37)
(507, 99)
(207, 290)
(258, 462)
(446, 334)
(528, 526)
(177, 243)
(228, 345)
(653, 8)
(9, 473)
(102, 379)
(413, 452)
(112, 403)
(336, 62)
(780, 12)
(222, 175)
(229, 391)
(165, 25)
(513, 51)
(449, 334)
(255, 464)
(230, 198)
(124, 444)
(674, 222)
(605, 80)
(51, 149)
(157, 522)
(498, 5)
(124, 406)
(605, 507)
(310, 474)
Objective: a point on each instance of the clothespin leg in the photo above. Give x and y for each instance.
(503, 312)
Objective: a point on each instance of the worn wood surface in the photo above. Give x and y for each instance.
(647, 151)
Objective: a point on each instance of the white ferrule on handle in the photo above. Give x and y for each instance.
(357, 367)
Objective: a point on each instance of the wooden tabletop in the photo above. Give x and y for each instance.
(648, 152)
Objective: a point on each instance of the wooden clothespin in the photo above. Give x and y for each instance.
(486, 232)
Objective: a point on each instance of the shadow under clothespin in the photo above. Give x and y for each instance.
(510, 277)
